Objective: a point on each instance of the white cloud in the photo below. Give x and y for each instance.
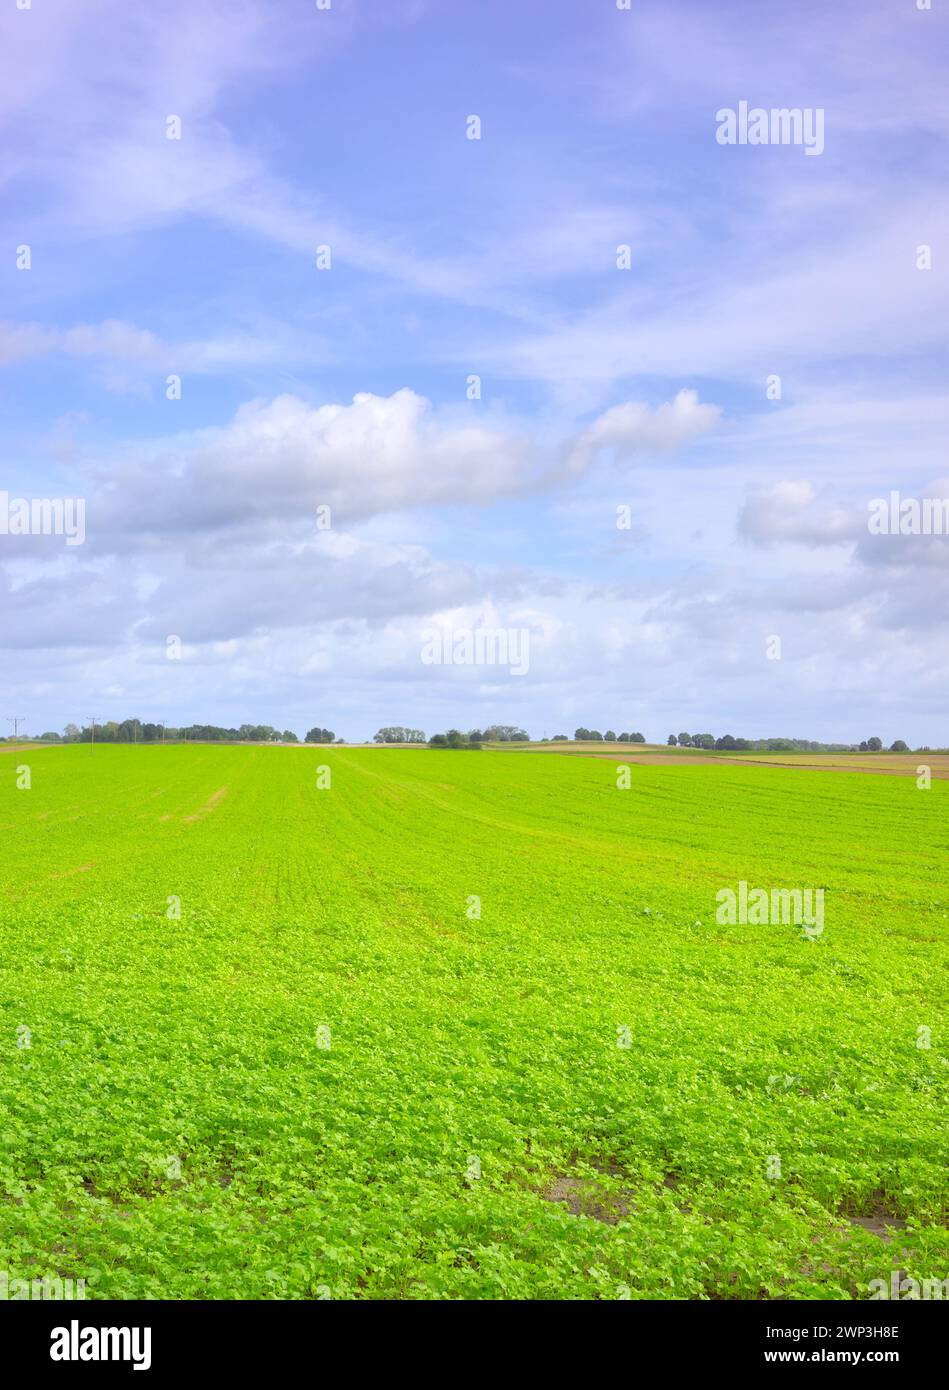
(635, 428)
(277, 461)
(791, 511)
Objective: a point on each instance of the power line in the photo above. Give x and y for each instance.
(16, 721)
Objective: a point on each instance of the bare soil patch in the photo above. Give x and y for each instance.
(899, 765)
(585, 1197)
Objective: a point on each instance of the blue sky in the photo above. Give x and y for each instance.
(601, 387)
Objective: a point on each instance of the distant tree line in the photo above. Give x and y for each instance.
(456, 739)
(781, 745)
(139, 731)
(727, 741)
(594, 736)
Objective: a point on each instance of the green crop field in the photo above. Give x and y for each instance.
(465, 1025)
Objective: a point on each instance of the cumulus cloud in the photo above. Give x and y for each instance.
(908, 529)
(792, 512)
(216, 532)
(635, 428)
(280, 460)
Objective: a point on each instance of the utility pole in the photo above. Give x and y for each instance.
(16, 721)
(93, 718)
(163, 735)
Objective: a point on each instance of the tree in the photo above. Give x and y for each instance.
(637, 738)
(560, 738)
(899, 747)
(685, 740)
(453, 739)
(874, 745)
(289, 736)
(863, 746)
(320, 736)
(671, 740)
(609, 736)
